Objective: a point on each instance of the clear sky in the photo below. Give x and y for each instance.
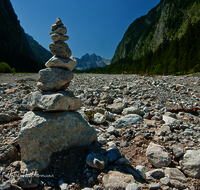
(93, 26)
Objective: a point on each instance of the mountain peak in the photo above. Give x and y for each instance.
(91, 61)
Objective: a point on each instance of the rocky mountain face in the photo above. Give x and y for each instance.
(15, 48)
(40, 53)
(91, 61)
(170, 24)
(163, 22)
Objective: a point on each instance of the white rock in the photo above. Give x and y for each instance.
(168, 119)
(98, 118)
(43, 133)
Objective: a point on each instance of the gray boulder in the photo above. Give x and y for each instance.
(53, 101)
(158, 155)
(58, 62)
(44, 133)
(190, 163)
(127, 120)
(54, 79)
(60, 49)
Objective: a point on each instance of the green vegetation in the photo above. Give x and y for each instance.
(16, 118)
(5, 68)
(27, 91)
(90, 114)
(165, 41)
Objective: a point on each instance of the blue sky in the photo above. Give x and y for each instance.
(93, 26)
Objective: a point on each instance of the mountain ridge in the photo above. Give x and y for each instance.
(91, 61)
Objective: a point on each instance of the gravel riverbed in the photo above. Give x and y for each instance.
(112, 100)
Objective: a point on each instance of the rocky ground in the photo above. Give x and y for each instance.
(151, 146)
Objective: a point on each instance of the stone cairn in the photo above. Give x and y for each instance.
(52, 124)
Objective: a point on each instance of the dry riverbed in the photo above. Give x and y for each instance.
(151, 97)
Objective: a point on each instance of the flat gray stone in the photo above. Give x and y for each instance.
(127, 120)
(59, 37)
(53, 101)
(133, 110)
(116, 108)
(54, 79)
(58, 62)
(59, 30)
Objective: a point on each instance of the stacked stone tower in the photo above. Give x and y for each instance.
(58, 74)
(53, 124)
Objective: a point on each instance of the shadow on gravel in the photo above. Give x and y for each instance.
(69, 166)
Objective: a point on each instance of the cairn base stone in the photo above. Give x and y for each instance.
(54, 79)
(53, 101)
(43, 133)
(58, 62)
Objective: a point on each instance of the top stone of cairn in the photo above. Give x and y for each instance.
(58, 23)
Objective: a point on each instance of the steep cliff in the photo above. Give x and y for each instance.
(14, 45)
(166, 25)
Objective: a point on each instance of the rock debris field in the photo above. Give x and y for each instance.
(142, 142)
